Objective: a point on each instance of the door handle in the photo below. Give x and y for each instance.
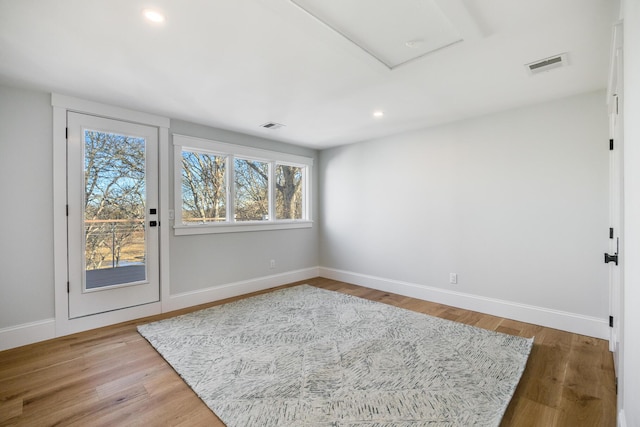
(611, 258)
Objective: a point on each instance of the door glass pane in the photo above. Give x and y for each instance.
(114, 209)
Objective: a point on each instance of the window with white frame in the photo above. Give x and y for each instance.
(222, 188)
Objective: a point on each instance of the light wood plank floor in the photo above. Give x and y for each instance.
(113, 377)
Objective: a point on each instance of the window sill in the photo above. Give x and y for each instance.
(188, 230)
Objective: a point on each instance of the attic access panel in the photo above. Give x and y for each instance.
(392, 31)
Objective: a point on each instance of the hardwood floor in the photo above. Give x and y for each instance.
(113, 377)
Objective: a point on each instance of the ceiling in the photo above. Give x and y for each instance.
(237, 64)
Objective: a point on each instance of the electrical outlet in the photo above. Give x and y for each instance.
(453, 278)
(272, 264)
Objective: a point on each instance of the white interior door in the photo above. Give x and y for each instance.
(615, 235)
(112, 198)
(616, 200)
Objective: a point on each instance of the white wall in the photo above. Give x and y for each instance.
(26, 251)
(629, 381)
(515, 203)
(197, 263)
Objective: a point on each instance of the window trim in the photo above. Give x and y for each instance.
(231, 151)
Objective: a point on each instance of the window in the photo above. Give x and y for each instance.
(288, 192)
(252, 190)
(204, 188)
(224, 188)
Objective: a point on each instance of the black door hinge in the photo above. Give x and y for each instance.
(611, 232)
(67, 287)
(611, 321)
(611, 258)
(66, 133)
(611, 144)
(67, 210)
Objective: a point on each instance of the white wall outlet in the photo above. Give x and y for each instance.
(272, 263)
(453, 278)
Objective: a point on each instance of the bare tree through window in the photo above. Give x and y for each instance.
(288, 192)
(114, 199)
(204, 188)
(252, 190)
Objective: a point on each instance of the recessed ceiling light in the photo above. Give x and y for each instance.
(153, 16)
(378, 114)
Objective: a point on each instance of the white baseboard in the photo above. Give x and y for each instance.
(27, 333)
(216, 293)
(571, 322)
(622, 421)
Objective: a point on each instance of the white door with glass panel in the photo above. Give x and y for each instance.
(112, 197)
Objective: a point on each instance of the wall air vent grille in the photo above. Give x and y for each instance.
(547, 64)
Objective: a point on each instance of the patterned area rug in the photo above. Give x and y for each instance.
(305, 356)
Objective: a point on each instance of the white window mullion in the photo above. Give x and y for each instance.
(231, 190)
(177, 172)
(306, 192)
(272, 191)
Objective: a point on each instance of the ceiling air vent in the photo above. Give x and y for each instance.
(272, 125)
(547, 64)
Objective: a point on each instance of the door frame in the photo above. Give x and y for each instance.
(61, 105)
